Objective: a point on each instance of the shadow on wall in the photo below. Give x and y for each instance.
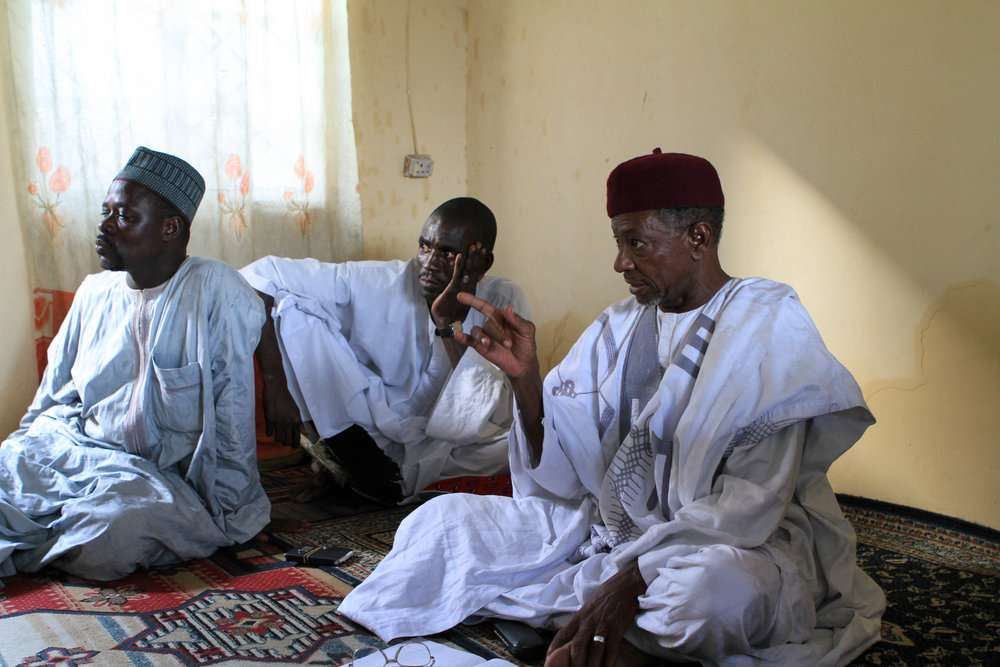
(949, 401)
(970, 313)
(905, 145)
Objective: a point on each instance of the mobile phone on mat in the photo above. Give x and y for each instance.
(318, 555)
(522, 640)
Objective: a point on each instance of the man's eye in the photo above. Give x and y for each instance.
(424, 247)
(449, 254)
(636, 243)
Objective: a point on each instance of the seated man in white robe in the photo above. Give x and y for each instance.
(670, 490)
(364, 355)
(139, 448)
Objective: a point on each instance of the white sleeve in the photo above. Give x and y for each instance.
(275, 275)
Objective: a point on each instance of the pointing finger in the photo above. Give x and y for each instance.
(483, 306)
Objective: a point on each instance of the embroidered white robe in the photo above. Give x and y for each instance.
(718, 489)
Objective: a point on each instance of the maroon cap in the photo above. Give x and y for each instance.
(663, 180)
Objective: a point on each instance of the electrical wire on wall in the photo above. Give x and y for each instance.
(415, 165)
(409, 95)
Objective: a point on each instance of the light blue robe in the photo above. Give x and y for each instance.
(139, 448)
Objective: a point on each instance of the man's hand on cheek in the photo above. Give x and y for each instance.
(477, 261)
(468, 269)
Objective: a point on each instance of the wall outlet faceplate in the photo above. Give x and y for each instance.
(418, 166)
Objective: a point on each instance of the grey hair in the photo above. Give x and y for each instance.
(679, 220)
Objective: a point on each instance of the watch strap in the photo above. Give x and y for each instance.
(448, 331)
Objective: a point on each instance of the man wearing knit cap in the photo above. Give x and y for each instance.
(670, 491)
(139, 447)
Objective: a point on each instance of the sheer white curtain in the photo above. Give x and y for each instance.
(254, 94)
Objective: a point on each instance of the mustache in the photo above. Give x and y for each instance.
(435, 275)
(104, 240)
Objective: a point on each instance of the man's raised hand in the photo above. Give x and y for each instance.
(506, 339)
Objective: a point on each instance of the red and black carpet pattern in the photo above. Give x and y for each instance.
(246, 606)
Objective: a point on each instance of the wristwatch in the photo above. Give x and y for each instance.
(449, 331)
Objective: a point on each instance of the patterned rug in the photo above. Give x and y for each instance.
(941, 577)
(237, 606)
(246, 606)
(243, 606)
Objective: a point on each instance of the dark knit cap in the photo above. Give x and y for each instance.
(172, 178)
(663, 180)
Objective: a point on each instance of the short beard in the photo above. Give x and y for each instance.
(112, 264)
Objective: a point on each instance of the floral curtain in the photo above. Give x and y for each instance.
(254, 94)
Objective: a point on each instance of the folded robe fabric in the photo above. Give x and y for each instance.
(729, 455)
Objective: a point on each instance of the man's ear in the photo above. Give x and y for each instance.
(699, 235)
(173, 228)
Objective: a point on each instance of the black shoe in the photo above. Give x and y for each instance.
(370, 472)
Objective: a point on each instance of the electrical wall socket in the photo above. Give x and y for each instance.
(418, 166)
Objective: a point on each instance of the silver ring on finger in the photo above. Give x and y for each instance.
(465, 279)
(599, 639)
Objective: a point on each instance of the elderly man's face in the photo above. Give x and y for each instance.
(130, 235)
(440, 242)
(655, 262)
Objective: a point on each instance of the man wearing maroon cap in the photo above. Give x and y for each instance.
(669, 475)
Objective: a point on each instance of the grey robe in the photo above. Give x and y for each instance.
(139, 448)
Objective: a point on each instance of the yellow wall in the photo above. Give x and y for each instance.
(18, 374)
(857, 145)
(856, 141)
(394, 208)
